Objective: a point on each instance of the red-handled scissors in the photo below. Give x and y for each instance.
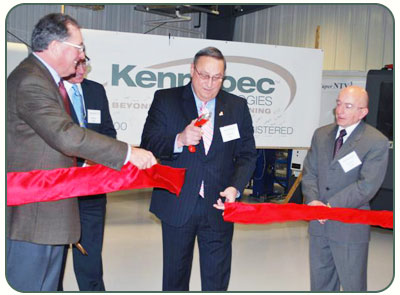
(201, 120)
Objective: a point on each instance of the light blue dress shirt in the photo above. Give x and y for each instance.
(57, 79)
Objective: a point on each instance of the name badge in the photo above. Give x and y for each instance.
(350, 161)
(94, 116)
(229, 132)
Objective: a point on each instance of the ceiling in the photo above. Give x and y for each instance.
(178, 11)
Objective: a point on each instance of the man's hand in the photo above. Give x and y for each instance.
(230, 194)
(318, 203)
(191, 135)
(141, 158)
(219, 205)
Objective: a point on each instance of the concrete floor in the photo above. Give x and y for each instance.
(265, 257)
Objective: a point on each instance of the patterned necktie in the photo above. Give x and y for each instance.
(78, 105)
(207, 129)
(64, 95)
(339, 142)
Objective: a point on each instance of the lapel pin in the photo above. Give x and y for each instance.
(221, 113)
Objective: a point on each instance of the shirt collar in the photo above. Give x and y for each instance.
(53, 72)
(349, 130)
(210, 104)
(68, 86)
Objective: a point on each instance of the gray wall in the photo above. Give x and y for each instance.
(353, 37)
(123, 18)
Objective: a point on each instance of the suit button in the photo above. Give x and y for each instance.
(327, 188)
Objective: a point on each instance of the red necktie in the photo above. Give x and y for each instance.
(65, 98)
(64, 95)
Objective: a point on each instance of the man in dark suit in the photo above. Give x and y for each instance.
(42, 135)
(345, 167)
(221, 166)
(89, 108)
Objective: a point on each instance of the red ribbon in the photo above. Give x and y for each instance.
(269, 213)
(64, 183)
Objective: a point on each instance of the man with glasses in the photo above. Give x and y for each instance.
(42, 135)
(89, 105)
(220, 165)
(81, 48)
(345, 167)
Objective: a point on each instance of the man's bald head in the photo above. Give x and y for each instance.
(351, 106)
(359, 93)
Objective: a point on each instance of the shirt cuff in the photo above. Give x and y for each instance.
(176, 148)
(128, 155)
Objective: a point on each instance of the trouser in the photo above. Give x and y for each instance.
(333, 264)
(33, 267)
(215, 249)
(89, 268)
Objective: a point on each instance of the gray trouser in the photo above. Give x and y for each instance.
(33, 267)
(333, 264)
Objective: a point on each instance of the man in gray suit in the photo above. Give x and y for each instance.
(345, 167)
(42, 135)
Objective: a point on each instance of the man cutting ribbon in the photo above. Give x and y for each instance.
(42, 135)
(343, 171)
(220, 165)
(348, 179)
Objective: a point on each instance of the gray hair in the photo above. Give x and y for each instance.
(211, 52)
(49, 28)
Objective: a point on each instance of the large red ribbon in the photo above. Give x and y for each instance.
(270, 212)
(63, 183)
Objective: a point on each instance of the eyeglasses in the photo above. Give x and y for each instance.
(348, 106)
(81, 63)
(80, 47)
(206, 77)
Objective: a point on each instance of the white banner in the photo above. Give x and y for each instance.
(281, 84)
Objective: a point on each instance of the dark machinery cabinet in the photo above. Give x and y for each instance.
(380, 91)
(272, 174)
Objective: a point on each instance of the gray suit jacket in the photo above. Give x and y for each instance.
(325, 180)
(41, 135)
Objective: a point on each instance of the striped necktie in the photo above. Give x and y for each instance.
(339, 142)
(207, 129)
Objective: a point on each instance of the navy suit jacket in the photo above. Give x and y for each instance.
(95, 98)
(227, 164)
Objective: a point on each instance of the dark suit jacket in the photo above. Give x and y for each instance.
(41, 135)
(95, 98)
(325, 180)
(226, 164)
